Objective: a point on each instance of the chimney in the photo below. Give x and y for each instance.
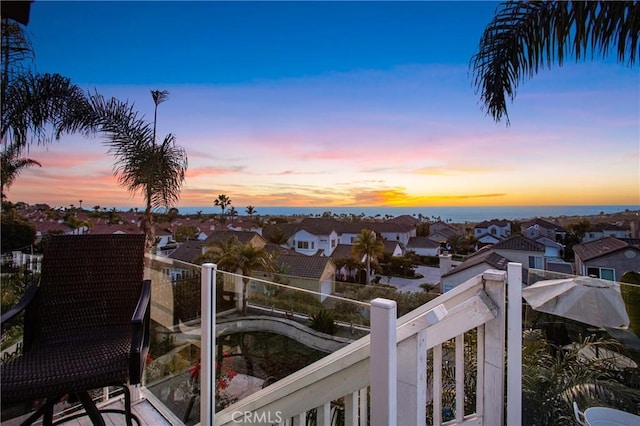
(445, 263)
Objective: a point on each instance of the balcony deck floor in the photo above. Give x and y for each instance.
(146, 412)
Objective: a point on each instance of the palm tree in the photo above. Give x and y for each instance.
(11, 165)
(367, 245)
(223, 202)
(158, 97)
(250, 211)
(157, 171)
(232, 256)
(526, 36)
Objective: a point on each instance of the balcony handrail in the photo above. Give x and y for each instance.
(346, 371)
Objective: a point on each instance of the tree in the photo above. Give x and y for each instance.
(367, 245)
(185, 232)
(250, 211)
(36, 108)
(156, 170)
(526, 36)
(223, 202)
(11, 165)
(232, 256)
(17, 232)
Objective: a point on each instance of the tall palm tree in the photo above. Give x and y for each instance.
(250, 211)
(369, 246)
(11, 165)
(525, 36)
(156, 170)
(158, 97)
(223, 202)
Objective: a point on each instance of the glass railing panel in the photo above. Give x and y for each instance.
(172, 369)
(284, 324)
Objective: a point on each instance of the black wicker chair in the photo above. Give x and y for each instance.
(86, 325)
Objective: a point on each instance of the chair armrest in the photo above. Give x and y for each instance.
(143, 303)
(140, 334)
(27, 298)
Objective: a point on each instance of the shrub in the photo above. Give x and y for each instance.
(323, 321)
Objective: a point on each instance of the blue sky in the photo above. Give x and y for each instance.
(333, 104)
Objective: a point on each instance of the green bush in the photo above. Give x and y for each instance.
(324, 322)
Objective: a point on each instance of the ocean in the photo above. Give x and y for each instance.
(452, 214)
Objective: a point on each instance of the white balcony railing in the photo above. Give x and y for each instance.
(426, 344)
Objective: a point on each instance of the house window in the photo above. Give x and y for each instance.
(602, 273)
(303, 245)
(493, 231)
(333, 243)
(535, 262)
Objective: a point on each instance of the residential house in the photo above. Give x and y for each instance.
(322, 235)
(536, 228)
(523, 250)
(314, 273)
(475, 264)
(441, 231)
(552, 249)
(244, 237)
(492, 231)
(604, 230)
(423, 246)
(393, 248)
(517, 249)
(607, 258)
(187, 251)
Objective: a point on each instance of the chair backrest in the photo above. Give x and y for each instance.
(90, 285)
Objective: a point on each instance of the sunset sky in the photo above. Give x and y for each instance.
(332, 104)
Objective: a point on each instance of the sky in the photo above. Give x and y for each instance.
(332, 104)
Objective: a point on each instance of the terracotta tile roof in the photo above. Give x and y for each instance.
(487, 223)
(342, 251)
(421, 242)
(487, 256)
(518, 242)
(601, 227)
(390, 246)
(404, 219)
(243, 236)
(597, 248)
(187, 251)
(543, 224)
(303, 266)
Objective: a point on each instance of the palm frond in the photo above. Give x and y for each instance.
(41, 106)
(159, 96)
(526, 36)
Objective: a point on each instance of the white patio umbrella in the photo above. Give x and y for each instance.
(589, 300)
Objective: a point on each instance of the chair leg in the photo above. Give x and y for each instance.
(127, 405)
(45, 411)
(91, 409)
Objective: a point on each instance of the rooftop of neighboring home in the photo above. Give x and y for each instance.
(487, 223)
(602, 227)
(518, 242)
(484, 255)
(604, 246)
(187, 251)
(342, 251)
(541, 223)
(422, 242)
(303, 266)
(243, 236)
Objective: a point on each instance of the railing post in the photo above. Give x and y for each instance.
(208, 344)
(383, 374)
(514, 344)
